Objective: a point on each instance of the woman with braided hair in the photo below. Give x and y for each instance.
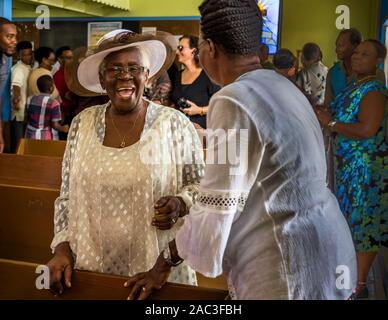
(268, 223)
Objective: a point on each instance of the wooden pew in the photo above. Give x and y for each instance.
(30, 171)
(51, 148)
(18, 282)
(26, 223)
(29, 186)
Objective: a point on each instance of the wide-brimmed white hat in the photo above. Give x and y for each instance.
(115, 41)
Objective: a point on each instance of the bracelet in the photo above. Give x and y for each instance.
(331, 125)
(166, 254)
(202, 111)
(184, 205)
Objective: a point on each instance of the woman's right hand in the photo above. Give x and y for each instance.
(61, 268)
(167, 211)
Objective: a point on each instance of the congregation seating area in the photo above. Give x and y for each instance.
(29, 184)
(246, 139)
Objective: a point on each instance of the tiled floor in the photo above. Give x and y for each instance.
(378, 277)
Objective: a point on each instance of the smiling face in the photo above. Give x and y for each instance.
(125, 89)
(365, 59)
(8, 39)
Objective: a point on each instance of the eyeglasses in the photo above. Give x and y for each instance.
(132, 70)
(180, 48)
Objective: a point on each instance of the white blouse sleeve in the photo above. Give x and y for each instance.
(61, 203)
(190, 166)
(202, 239)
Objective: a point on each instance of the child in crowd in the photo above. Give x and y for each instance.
(285, 63)
(312, 78)
(43, 112)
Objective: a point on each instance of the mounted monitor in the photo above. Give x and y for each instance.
(271, 26)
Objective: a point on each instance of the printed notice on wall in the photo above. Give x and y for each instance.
(148, 30)
(97, 29)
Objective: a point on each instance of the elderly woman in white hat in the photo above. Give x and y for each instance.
(130, 170)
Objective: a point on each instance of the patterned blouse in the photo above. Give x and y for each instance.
(312, 80)
(107, 195)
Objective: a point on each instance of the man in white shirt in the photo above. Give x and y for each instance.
(19, 86)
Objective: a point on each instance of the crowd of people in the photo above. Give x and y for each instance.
(188, 89)
(314, 193)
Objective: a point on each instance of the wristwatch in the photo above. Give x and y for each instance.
(331, 124)
(167, 257)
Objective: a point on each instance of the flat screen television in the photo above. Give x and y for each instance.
(271, 15)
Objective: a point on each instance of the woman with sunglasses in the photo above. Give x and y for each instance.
(192, 83)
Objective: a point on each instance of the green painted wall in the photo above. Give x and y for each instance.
(161, 8)
(138, 8)
(312, 20)
(302, 20)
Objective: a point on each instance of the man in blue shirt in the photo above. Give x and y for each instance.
(7, 49)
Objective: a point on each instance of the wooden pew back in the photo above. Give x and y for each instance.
(51, 148)
(30, 171)
(26, 223)
(29, 186)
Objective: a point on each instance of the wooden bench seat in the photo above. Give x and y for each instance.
(29, 186)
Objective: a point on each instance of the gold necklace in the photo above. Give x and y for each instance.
(359, 82)
(122, 144)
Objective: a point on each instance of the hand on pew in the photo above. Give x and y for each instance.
(18, 282)
(61, 268)
(142, 285)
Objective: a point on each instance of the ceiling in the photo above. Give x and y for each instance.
(70, 8)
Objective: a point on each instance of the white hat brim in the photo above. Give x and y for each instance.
(88, 69)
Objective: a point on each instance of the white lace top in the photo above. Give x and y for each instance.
(107, 195)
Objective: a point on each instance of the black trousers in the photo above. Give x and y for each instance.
(18, 129)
